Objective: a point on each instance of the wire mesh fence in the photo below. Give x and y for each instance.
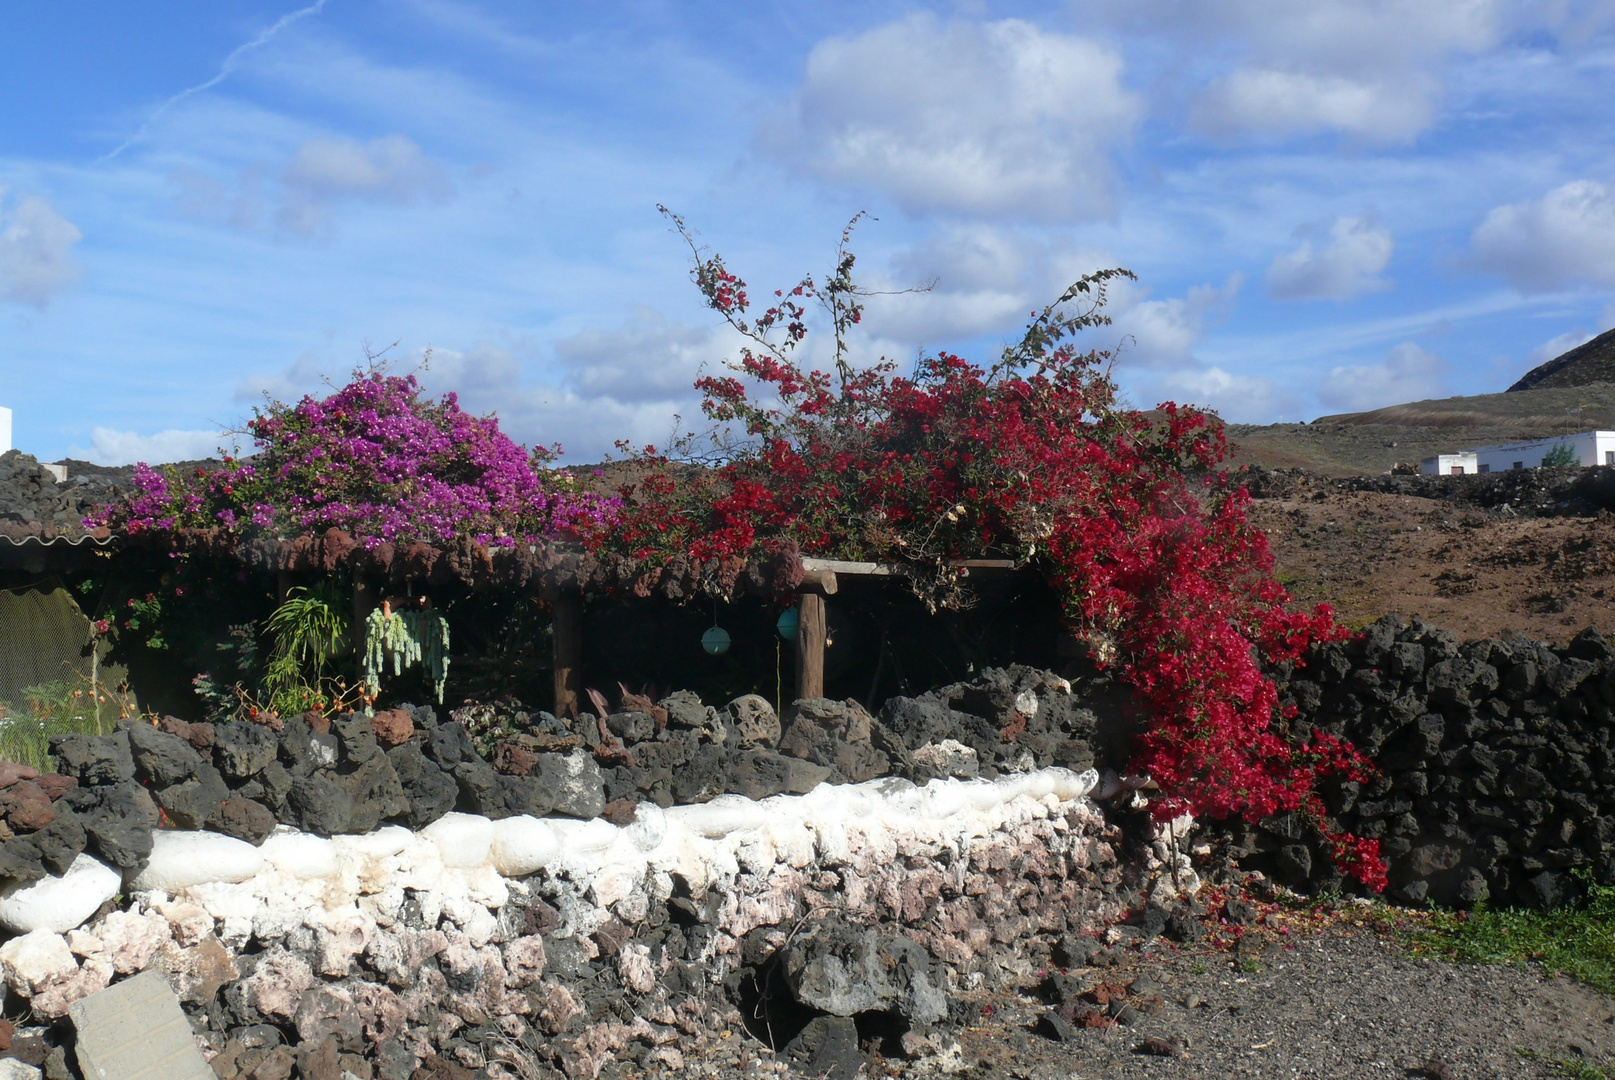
(50, 676)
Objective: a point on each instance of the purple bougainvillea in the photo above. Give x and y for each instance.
(379, 460)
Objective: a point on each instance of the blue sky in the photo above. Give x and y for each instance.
(1331, 205)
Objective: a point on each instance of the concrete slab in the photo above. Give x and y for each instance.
(134, 1030)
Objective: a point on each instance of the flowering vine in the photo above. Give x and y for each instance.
(378, 459)
(1129, 515)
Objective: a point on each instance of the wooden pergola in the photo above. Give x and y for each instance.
(820, 579)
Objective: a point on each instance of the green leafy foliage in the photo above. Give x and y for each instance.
(1578, 941)
(1560, 456)
(309, 630)
(403, 639)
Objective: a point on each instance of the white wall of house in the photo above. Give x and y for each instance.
(1590, 448)
(1449, 464)
(5, 430)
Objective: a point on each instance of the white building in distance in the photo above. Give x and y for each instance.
(1589, 448)
(5, 429)
(1450, 464)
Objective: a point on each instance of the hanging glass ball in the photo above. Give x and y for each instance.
(787, 624)
(715, 641)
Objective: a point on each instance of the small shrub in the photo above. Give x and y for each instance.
(1560, 456)
(309, 629)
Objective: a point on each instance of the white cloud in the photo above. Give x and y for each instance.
(645, 359)
(1163, 333)
(1369, 69)
(389, 169)
(1408, 373)
(36, 252)
(1239, 399)
(491, 378)
(1342, 267)
(1565, 238)
(1264, 101)
(985, 280)
(998, 118)
(112, 447)
(322, 172)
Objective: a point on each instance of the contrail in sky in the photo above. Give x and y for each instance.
(224, 70)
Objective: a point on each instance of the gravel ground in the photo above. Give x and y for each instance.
(1323, 997)
(1338, 1002)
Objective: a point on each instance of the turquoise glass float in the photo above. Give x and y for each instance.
(715, 641)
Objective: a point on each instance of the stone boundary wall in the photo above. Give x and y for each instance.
(353, 773)
(1498, 761)
(397, 893)
(569, 943)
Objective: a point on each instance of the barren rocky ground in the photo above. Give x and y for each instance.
(1476, 571)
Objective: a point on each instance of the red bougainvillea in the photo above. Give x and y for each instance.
(1129, 515)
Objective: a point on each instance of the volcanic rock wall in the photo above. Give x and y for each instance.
(377, 897)
(1498, 760)
(353, 773)
(570, 942)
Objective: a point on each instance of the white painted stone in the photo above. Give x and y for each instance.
(649, 827)
(181, 859)
(461, 839)
(384, 842)
(34, 959)
(300, 854)
(59, 904)
(720, 817)
(12, 1069)
(580, 840)
(483, 885)
(523, 844)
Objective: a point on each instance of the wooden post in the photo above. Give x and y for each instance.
(567, 639)
(811, 630)
(364, 602)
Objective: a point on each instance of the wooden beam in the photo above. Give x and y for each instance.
(811, 631)
(852, 569)
(567, 640)
(812, 567)
(819, 580)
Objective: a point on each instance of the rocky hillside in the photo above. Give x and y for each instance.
(31, 496)
(1589, 363)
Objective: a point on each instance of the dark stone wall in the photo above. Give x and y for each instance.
(1498, 769)
(352, 773)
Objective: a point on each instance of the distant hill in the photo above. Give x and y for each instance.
(1371, 442)
(1588, 363)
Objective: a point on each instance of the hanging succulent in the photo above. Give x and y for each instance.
(402, 639)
